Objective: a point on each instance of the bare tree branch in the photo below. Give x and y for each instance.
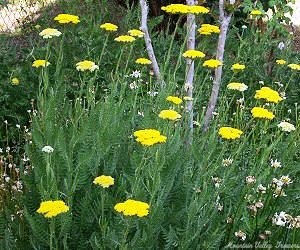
(189, 78)
(225, 19)
(149, 47)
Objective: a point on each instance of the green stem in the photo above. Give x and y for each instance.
(119, 60)
(104, 46)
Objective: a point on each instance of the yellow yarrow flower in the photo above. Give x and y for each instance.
(149, 137)
(268, 94)
(176, 100)
(230, 133)
(212, 63)
(40, 63)
(237, 86)
(169, 114)
(136, 33)
(125, 39)
(86, 65)
(280, 61)
(294, 66)
(132, 207)
(67, 18)
(109, 27)
(52, 208)
(184, 9)
(15, 81)
(256, 13)
(192, 54)
(143, 61)
(258, 112)
(49, 33)
(238, 67)
(104, 181)
(208, 29)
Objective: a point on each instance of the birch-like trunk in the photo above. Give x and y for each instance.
(149, 47)
(189, 78)
(225, 19)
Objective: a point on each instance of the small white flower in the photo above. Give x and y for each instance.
(241, 235)
(275, 163)
(227, 162)
(133, 85)
(136, 74)
(152, 93)
(7, 179)
(286, 126)
(1, 150)
(141, 113)
(285, 179)
(6, 122)
(196, 123)
(47, 149)
(250, 179)
(7, 149)
(261, 82)
(18, 126)
(244, 27)
(281, 45)
(261, 189)
(282, 219)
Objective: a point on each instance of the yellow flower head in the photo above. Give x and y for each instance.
(169, 114)
(208, 29)
(238, 67)
(237, 86)
(176, 100)
(256, 13)
(268, 94)
(184, 9)
(193, 54)
(136, 33)
(133, 207)
(280, 61)
(109, 27)
(15, 81)
(104, 181)
(86, 65)
(49, 33)
(294, 66)
(258, 112)
(40, 63)
(230, 133)
(67, 18)
(125, 39)
(52, 208)
(196, 9)
(212, 63)
(143, 61)
(149, 137)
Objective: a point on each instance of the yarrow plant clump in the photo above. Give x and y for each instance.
(280, 61)
(86, 65)
(109, 27)
(104, 181)
(192, 54)
(294, 66)
(149, 137)
(258, 112)
(256, 13)
(230, 133)
(169, 114)
(40, 63)
(15, 81)
(52, 208)
(49, 33)
(237, 86)
(268, 94)
(67, 18)
(133, 207)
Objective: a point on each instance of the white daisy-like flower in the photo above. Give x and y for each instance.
(275, 163)
(286, 126)
(47, 149)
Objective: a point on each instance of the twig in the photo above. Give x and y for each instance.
(225, 19)
(149, 47)
(189, 78)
